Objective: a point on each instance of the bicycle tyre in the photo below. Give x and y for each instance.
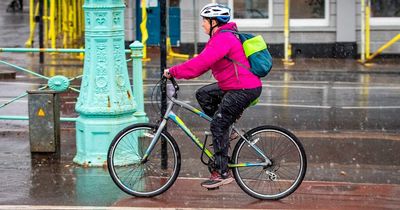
(142, 179)
(276, 175)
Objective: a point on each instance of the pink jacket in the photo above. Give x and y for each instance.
(223, 70)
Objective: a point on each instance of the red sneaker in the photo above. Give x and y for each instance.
(217, 180)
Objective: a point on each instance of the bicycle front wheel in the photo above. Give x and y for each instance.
(143, 178)
(274, 181)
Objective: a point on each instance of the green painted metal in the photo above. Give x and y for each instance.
(47, 50)
(137, 67)
(68, 119)
(14, 99)
(19, 97)
(58, 83)
(24, 70)
(105, 102)
(6, 117)
(14, 117)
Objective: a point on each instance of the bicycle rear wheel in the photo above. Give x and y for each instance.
(143, 179)
(288, 159)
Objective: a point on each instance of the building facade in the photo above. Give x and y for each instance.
(318, 28)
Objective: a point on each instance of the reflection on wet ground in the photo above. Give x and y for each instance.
(346, 158)
(66, 185)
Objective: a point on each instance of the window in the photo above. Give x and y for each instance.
(253, 13)
(385, 12)
(309, 13)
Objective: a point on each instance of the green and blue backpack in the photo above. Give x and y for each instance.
(256, 52)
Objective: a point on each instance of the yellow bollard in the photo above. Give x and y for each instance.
(46, 22)
(143, 29)
(32, 15)
(33, 11)
(367, 29)
(59, 17)
(79, 22)
(74, 22)
(70, 24)
(65, 23)
(383, 47)
(52, 29)
(288, 48)
(145, 58)
(172, 54)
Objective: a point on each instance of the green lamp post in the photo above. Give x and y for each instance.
(105, 102)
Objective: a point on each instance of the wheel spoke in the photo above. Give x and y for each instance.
(142, 179)
(288, 163)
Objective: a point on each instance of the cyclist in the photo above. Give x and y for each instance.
(235, 89)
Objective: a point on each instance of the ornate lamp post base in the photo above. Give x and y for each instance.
(106, 103)
(94, 136)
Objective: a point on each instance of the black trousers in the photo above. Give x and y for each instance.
(225, 107)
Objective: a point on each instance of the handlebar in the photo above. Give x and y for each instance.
(174, 84)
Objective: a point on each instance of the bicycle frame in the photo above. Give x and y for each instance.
(169, 114)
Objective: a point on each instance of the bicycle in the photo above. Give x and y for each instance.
(268, 162)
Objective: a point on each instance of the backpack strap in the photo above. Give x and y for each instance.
(232, 31)
(234, 65)
(230, 59)
(236, 62)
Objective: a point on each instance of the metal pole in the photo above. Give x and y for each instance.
(137, 80)
(52, 29)
(163, 53)
(288, 51)
(383, 47)
(286, 31)
(367, 29)
(29, 42)
(167, 19)
(362, 30)
(143, 27)
(195, 26)
(41, 34)
(163, 61)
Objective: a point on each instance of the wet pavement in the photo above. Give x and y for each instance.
(346, 114)
(39, 182)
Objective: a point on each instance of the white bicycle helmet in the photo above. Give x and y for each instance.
(218, 11)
